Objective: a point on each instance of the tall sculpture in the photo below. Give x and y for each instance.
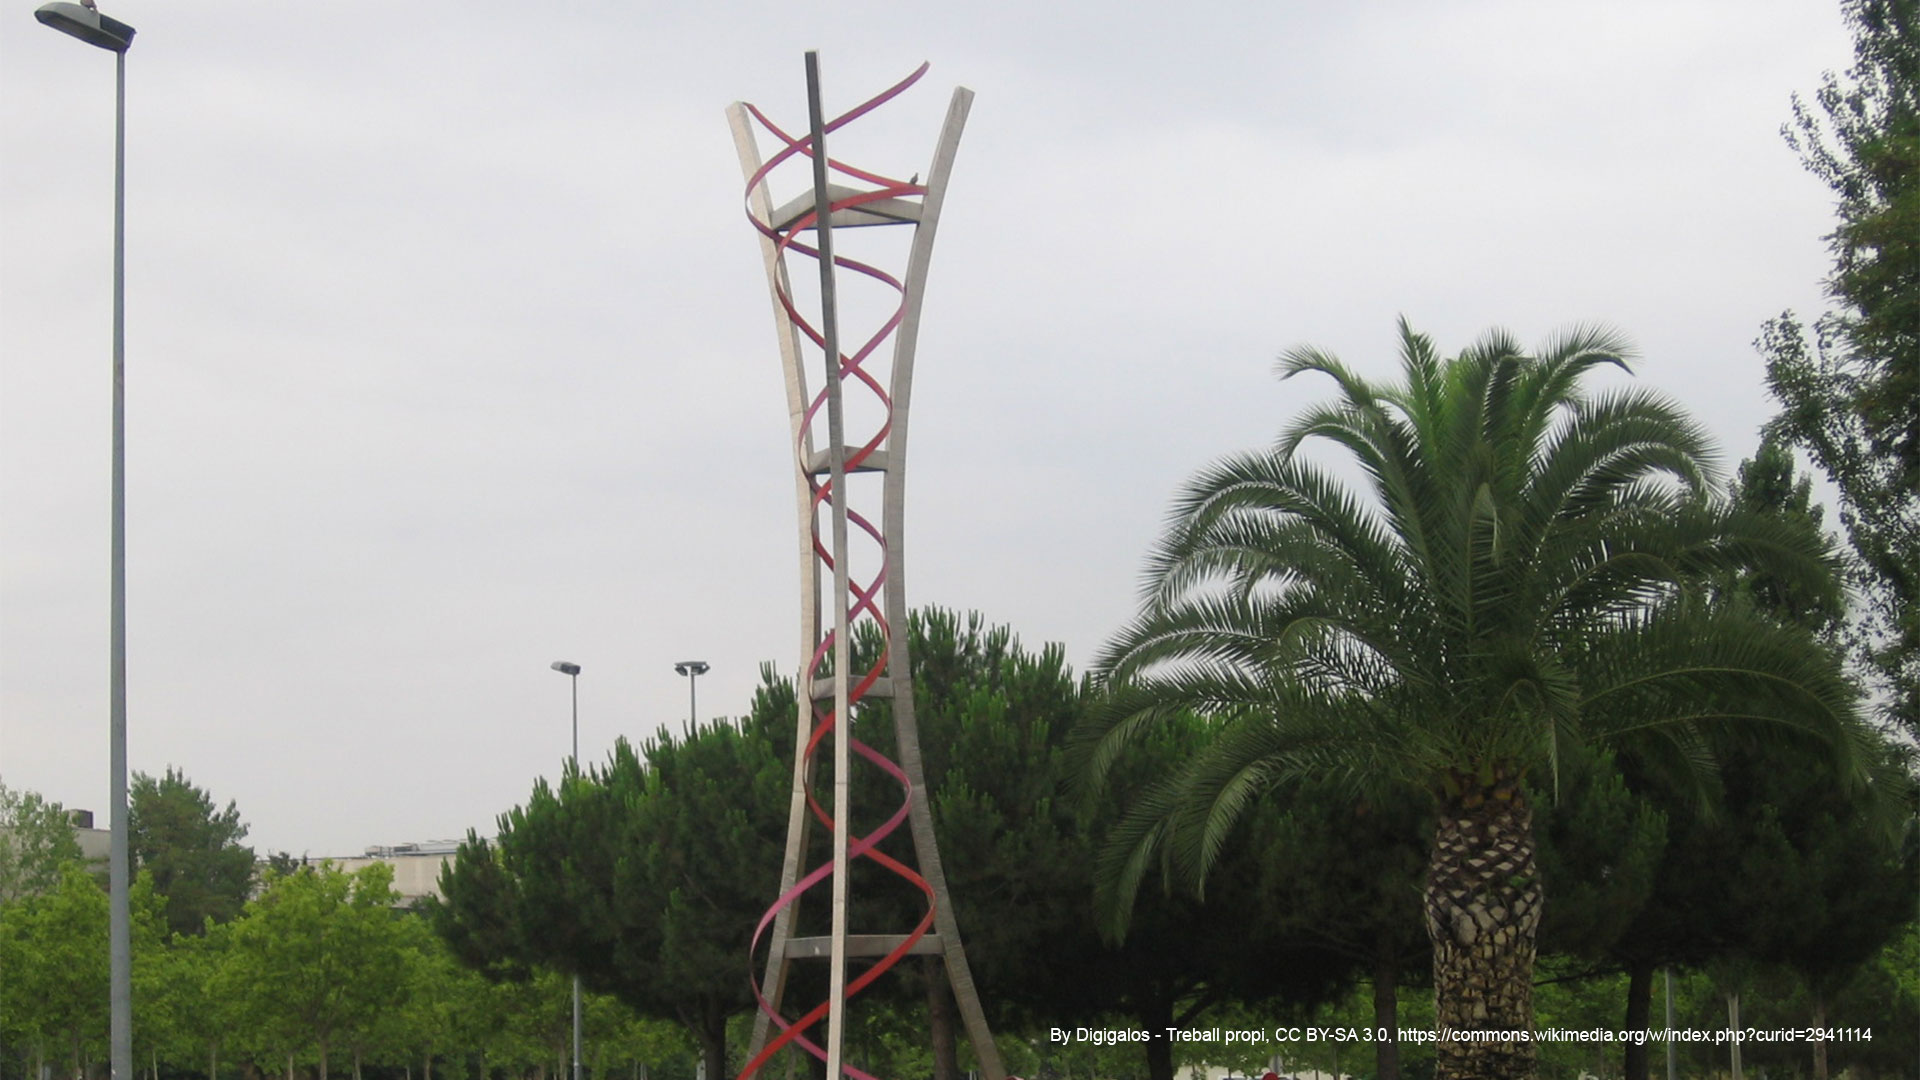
(864, 584)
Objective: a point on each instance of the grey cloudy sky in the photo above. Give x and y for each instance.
(449, 353)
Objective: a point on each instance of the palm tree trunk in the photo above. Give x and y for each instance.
(1483, 915)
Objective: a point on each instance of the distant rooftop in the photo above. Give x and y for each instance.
(423, 847)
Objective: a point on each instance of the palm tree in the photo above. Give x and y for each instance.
(1517, 578)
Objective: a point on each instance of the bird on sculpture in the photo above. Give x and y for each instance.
(89, 5)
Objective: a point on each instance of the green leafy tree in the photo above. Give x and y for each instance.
(1822, 887)
(1769, 484)
(640, 876)
(443, 1000)
(191, 847)
(188, 1001)
(36, 844)
(158, 1029)
(318, 957)
(1900, 962)
(1699, 910)
(53, 949)
(536, 1023)
(1600, 847)
(1851, 396)
(1516, 578)
(642, 1044)
(1184, 954)
(1345, 874)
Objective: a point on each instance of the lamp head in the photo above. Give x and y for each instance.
(565, 668)
(87, 24)
(690, 668)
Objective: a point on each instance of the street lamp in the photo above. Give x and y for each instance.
(88, 25)
(116, 37)
(572, 672)
(692, 669)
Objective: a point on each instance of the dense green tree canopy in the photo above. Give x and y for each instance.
(52, 951)
(192, 849)
(1851, 395)
(315, 958)
(36, 844)
(643, 876)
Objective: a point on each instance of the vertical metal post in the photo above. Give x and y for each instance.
(692, 669)
(1671, 1074)
(1733, 1026)
(120, 930)
(575, 680)
(842, 652)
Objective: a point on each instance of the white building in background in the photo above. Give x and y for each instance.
(95, 844)
(416, 867)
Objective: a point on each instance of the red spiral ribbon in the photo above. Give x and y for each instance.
(864, 597)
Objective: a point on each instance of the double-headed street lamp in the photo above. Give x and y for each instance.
(572, 672)
(692, 669)
(116, 37)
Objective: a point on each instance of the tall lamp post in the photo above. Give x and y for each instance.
(572, 672)
(116, 37)
(692, 669)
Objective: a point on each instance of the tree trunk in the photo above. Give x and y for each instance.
(1483, 915)
(1157, 1016)
(1634, 1062)
(946, 1057)
(1819, 1022)
(356, 1045)
(290, 1053)
(1386, 1010)
(713, 1045)
(323, 1060)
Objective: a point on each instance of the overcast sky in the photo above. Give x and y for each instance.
(449, 352)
